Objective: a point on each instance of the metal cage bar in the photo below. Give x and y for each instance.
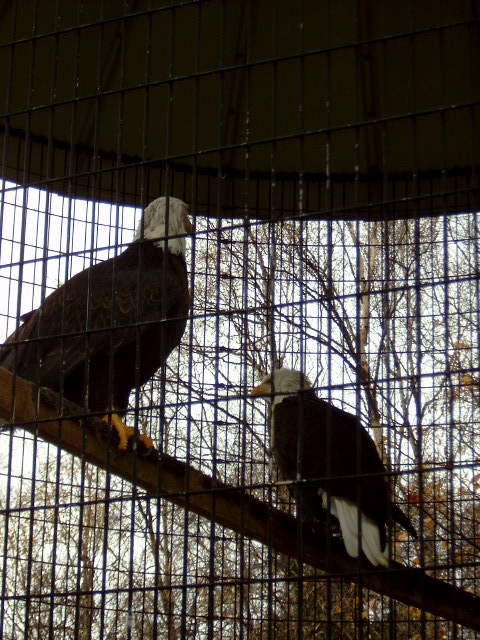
(330, 161)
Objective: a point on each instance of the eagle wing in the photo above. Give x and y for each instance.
(100, 309)
(331, 440)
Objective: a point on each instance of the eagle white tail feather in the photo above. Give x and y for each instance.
(346, 512)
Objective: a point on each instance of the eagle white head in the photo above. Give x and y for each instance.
(154, 224)
(280, 383)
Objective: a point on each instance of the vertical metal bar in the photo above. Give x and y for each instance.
(28, 586)
(115, 276)
(475, 226)
(244, 299)
(417, 291)
(272, 252)
(388, 283)
(358, 301)
(67, 275)
(144, 505)
(301, 414)
(329, 206)
(162, 346)
(5, 563)
(186, 525)
(447, 295)
(95, 188)
(213, 629)
(43, 294)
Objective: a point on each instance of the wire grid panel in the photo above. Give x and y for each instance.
(383, 318)
(300, 137)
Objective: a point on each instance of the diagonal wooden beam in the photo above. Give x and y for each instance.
(162, 475)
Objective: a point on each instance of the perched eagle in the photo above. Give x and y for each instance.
(339, 455)
(110, 327)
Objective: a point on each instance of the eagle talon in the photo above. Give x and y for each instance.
(125, 434)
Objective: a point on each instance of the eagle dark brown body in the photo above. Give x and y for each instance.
(107, 330)
(330, 452)
(337, 460)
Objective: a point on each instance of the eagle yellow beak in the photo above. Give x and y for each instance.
(261, 390)
(188, 226)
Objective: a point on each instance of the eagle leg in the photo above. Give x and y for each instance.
(125, 433)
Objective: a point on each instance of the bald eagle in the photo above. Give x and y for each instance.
(108, 329)
(341, 458)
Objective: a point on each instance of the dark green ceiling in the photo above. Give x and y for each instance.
(339, 108)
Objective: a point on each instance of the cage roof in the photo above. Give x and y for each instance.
(344, 109)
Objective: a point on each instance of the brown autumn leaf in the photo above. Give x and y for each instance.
(466, 380)
(461, 345)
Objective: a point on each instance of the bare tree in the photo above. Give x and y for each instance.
(381, 318)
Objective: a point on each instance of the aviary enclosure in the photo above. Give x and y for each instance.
(329, 153)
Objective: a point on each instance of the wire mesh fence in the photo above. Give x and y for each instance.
(381, 316)
(311, 249)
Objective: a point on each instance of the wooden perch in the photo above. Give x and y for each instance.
(229, 506)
